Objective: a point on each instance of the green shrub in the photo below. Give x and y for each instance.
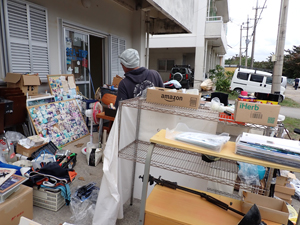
(221, 78)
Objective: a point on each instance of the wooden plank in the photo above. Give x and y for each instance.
(227, 152)
(61, 137)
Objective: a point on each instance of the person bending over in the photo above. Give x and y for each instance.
(137, 79)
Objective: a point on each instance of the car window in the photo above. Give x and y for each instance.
(269, 80)
(175, 70)
(243, 76)
(256, 78)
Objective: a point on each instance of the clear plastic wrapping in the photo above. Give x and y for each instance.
(210, 141)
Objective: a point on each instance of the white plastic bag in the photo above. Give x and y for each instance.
(44, 157)
(93, 156)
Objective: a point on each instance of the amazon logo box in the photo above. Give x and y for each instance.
(173, 97)
(256, 113)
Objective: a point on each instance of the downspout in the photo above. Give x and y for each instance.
(147, 47)
(205, 60)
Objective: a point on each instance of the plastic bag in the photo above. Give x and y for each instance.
(43, 157)
(250, 174)
(93, 155)
(83, 211)
(14, 136)
(207, 85)
(210, 141)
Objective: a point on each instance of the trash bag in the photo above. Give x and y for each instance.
(207, 85)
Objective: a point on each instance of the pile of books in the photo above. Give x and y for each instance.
(277, 150)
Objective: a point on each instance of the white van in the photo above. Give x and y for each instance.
(251, 80)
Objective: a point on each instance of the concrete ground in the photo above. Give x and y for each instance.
(88, 174)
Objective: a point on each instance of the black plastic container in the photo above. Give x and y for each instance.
(51, 147)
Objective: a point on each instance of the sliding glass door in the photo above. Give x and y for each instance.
(77, 59)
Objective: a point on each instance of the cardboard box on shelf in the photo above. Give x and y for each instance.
(27, 151)
(270, 208)
(288, 189)
(18, 204)
(283, 180)
(27, 83)
(117, 79)
(256, 113)
(170, 97)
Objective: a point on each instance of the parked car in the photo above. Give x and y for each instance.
(183, 74)
(251, 80)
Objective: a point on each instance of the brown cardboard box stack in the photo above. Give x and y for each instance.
(284, 189)
(27, 83)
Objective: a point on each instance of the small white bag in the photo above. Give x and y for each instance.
(93, 155)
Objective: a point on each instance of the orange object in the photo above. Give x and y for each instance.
(108, 98)
(229, 119)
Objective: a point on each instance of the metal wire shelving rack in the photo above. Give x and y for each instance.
(223, 171)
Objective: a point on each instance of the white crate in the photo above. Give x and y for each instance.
(48, 200)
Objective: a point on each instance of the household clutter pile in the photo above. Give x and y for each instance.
(42, 162)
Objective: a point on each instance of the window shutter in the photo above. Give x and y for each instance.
(117, 47)
(27, 38)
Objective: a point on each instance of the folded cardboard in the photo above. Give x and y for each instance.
(283, 180)
(282, 195)
(172, 97)
(256, 113)
(117, 79)
(270, 208)
(288, 189)
(18, 204)
(27, 151)
(27, 83)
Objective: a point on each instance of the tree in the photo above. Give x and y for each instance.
(291, 65)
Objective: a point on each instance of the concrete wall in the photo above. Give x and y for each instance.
(181, 10)
(176, 54)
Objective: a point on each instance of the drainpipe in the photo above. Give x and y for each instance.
(147, 48)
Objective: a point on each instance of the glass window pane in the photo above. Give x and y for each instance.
(256, 78)
(77, 55)
(269, 80)
(170, 64)
(243, 76)
(161, 65)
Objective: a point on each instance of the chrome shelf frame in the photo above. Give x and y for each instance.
(189, 163)
(202, 112)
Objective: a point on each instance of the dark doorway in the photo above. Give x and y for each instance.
(96, 62)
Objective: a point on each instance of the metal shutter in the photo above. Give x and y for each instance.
(117, 47)
(27, 38)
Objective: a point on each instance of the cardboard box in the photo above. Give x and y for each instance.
(288, 189)
(168, 97)
(282, 195)
(270, 208)
(18, 204)
(27, 83)
(117, 79)
(283, 180)
(256, 113)
(27, 151)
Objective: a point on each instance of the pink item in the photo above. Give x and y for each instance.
(244, 93)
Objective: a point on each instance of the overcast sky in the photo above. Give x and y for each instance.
(267, 27)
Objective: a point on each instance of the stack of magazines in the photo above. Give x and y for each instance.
(277, 150)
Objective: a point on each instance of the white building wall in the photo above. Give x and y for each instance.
(103, 16)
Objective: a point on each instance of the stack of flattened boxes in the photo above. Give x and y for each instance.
(284, 189)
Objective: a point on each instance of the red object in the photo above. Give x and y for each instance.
(170, 76)
(85, 63)
(186, 76)
(244, 93)
(229, 119)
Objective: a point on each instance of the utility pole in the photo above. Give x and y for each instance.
(277, 71)
(254, 32)
(247, 42)
(241, 43)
